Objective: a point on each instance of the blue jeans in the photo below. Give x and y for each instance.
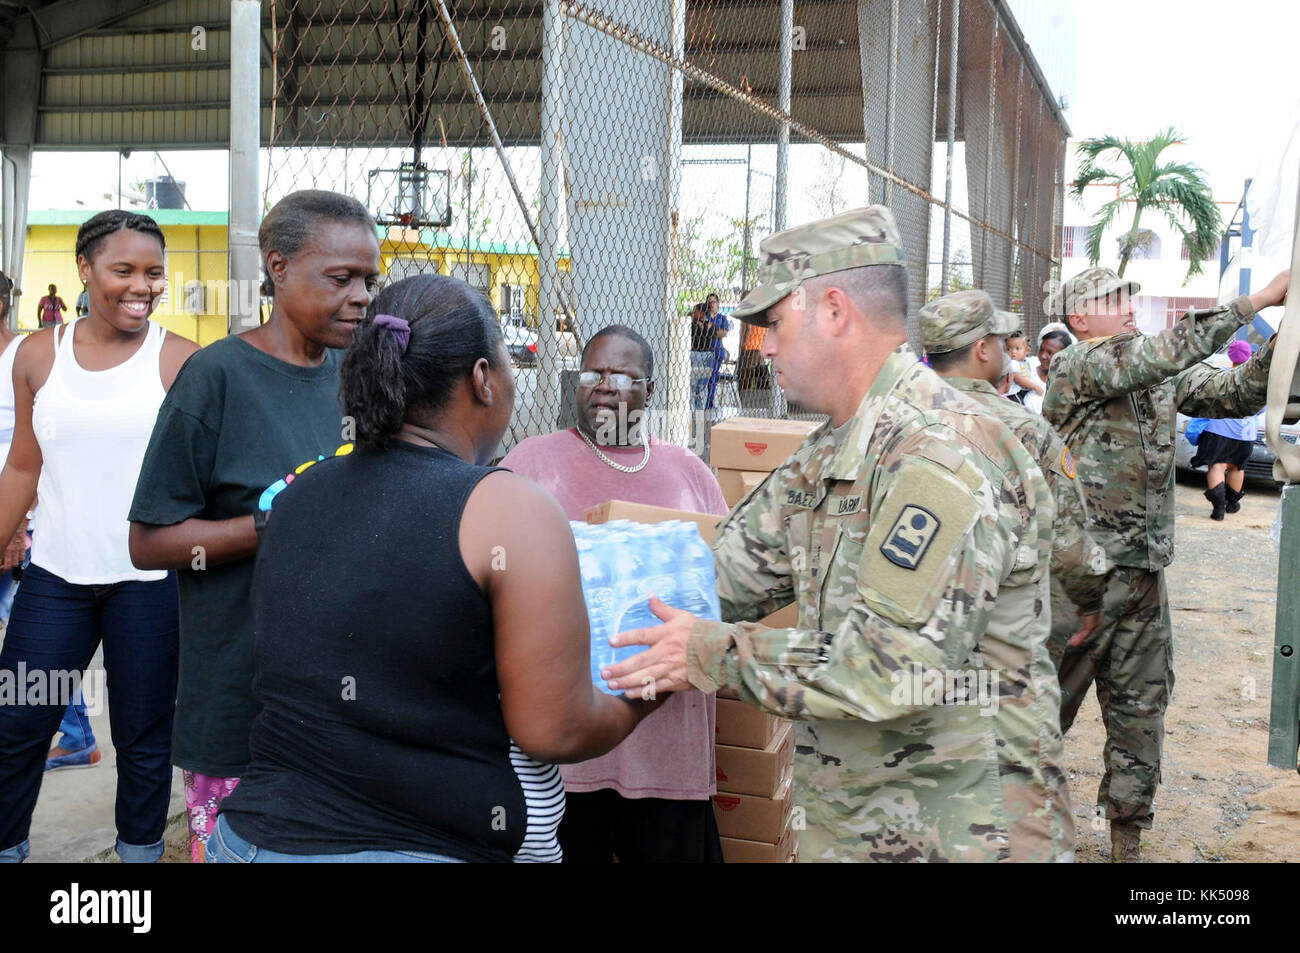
(227, 847)
(8, 586)
(75, 727)
(57, 625)
(701, 369)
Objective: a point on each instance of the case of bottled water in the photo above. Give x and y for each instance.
(623, 564)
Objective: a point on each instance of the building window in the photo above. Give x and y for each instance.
(1074, 241)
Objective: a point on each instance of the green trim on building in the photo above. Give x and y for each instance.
(443, 241)
(163, 216)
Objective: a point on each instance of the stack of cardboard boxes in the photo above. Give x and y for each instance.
(755, 750)
(755, 757)
(744, 450)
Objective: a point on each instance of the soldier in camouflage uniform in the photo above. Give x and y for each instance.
(963, 335)
(913, 532)
(1114, 397)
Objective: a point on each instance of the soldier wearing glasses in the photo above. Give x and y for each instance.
(648, 800)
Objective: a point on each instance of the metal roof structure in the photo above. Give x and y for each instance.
(873, 80)
(155, 74)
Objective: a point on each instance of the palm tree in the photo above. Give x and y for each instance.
(1177, 190)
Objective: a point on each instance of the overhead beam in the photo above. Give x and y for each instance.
(43, 27)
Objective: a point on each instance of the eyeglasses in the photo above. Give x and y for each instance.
(618, 381)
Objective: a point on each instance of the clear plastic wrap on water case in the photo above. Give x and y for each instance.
(623, 564)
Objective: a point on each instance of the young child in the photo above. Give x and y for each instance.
(1023, 380)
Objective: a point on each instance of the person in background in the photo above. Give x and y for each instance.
(83, 303)
(1225, 446)
(750, 368)
(7, 293)
(100, 382)
(720, 326)
(702, 338)
(1051, 340)
(648, 800)
(247, 412)
(50, 308)
(422, 660)
(1023, 380)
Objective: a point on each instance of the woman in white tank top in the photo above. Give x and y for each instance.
(85, 399)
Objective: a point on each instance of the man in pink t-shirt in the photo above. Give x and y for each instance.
(648, 800)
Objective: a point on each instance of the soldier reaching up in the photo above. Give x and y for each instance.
(1114, 397)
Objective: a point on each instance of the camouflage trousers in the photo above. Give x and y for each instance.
(1130, 658)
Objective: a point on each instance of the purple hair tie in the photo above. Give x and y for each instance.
(401, 330)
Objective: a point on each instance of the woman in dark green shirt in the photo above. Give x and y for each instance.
(243, 415)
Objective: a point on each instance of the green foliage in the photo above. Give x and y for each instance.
(1175, 190)
(713, 263)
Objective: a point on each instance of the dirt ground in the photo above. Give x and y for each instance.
(1219, 801)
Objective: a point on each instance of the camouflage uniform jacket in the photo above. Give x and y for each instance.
(1078, 561)
(1115, 401)
(915, 541)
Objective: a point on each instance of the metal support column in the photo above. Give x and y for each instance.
(548, 212)
(245, 139)
(783, 101)
(20, 76)
(952, 131)
(1284, 709)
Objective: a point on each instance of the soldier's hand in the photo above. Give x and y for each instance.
(1272, 293)
(663, 665)
(1090, 622)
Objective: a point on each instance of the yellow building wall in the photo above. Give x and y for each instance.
(199, 253)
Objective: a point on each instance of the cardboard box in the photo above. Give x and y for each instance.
(744, 726)
(786, 618)
(756, 771)
(736, 850)
(746, 817)
(756, 443)
(644, 513)
(737, 484)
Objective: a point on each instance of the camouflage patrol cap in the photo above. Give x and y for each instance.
(864, 236)
(957, 319)
(1088, 285)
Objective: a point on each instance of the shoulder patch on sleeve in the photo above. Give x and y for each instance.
(911, 535)
(1067, 462)
(913, 546)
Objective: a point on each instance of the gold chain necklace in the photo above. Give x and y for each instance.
(617, 466)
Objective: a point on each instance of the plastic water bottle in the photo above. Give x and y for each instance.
(623, 564)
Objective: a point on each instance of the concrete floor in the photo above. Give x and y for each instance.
(73, 821)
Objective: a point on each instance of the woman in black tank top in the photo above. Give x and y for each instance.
(422, 644)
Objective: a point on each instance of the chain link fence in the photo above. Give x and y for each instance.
(584, 166)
